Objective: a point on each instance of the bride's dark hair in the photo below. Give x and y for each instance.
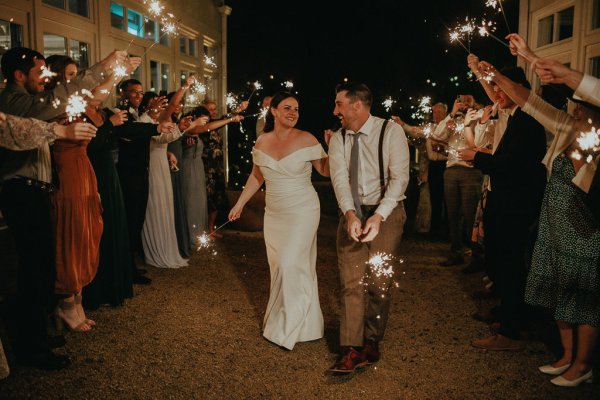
(277, 98)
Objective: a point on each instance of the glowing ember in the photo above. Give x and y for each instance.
(388, 104)
(76, 105)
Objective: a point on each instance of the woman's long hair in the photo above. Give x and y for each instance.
(57, 64)
(277, 98)
(146, 101)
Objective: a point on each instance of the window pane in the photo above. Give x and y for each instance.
(11, 35)
(79, 52)
(182, 45)
(154, 76)
(565, 23)
(137, 74)
(595, 67)
(79, 7)
(117, 16)
(150, 28)
(164, 39)
(54, 44)
(135, 23)
(545, 27)
(55, 3)
(164, 85)
(192, 48)
(596, 14)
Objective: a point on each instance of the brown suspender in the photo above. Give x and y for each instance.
(380, 148)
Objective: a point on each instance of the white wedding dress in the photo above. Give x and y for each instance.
(290, 228)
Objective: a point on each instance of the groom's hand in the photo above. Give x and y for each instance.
(353, 225)
(372, 228)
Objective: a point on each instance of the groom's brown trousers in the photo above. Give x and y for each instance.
(360, 321)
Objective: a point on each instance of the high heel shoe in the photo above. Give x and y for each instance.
(560, 381)
(550, 370)
(78, 300)
(61, 319)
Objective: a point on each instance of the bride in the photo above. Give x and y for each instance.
(283, 157)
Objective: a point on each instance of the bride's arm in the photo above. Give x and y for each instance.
(254, 182)
(322, 166)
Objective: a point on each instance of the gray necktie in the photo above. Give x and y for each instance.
(354, 167)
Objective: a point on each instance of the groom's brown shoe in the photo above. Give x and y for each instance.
(350, 360)
(372, 351)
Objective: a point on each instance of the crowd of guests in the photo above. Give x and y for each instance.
(522, 192)
(87, 202)
(89, 196)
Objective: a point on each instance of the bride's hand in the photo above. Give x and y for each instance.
(236, 212)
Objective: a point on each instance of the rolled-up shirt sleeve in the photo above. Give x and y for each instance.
(25, 133)
(340, 176)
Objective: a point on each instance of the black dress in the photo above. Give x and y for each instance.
(113, 282)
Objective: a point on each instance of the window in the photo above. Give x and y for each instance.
(595, 67)
(183, 45)
(193, 47)
(151, 31)
(54, 44)
(565, 23)
(545, 27)
(79, 7)
(135, 23)
(117, 16)
(165, 74)
(596, 14)
(79, 52)
(11, 35)
(555, 27)
(164, 39)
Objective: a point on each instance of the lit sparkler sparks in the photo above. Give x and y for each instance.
(423, 109)
(231, 100)
(263, 112)
(388, 104)
(47, 74)
(288, 85)
(155, 9)
(203, 241)
(209, 61)
(589, 140)
(257, 86)
(76, 105)
(120, 71)
(496, 5)
(380, 266)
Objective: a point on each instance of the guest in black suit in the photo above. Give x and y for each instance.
(133, 161)
(517, 179)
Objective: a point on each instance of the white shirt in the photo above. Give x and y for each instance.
(589, 90)
(395, 164)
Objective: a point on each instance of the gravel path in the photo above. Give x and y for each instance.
(195, 333)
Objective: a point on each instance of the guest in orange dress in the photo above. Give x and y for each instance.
(78, 218)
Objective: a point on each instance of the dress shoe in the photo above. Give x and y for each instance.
(141, 280)
(371, 351)
(498, 343)
(47, 360)
(550, 370)
(350, 360)
(560, 381)
(450, 261)
(494, 328)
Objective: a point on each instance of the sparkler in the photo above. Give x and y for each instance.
(154, 8)
(423, 109)
(497, 4)
(381, 268)
(289, 85)
(231, 100)
(388, 104)
(76, 105)
(47, 74)
(257, 86)
(209, 61)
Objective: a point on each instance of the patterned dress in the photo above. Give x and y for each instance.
(564, 275)
(215, 172)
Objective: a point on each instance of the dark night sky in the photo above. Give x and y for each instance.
(389, 45)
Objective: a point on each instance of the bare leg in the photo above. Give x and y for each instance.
(212, 221)
(587, 337)
(566, 332)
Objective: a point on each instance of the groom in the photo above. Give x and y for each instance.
(369, 163)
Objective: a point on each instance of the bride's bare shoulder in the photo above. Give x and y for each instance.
(307, 138)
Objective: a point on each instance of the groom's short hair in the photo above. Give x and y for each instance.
(356, 92)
